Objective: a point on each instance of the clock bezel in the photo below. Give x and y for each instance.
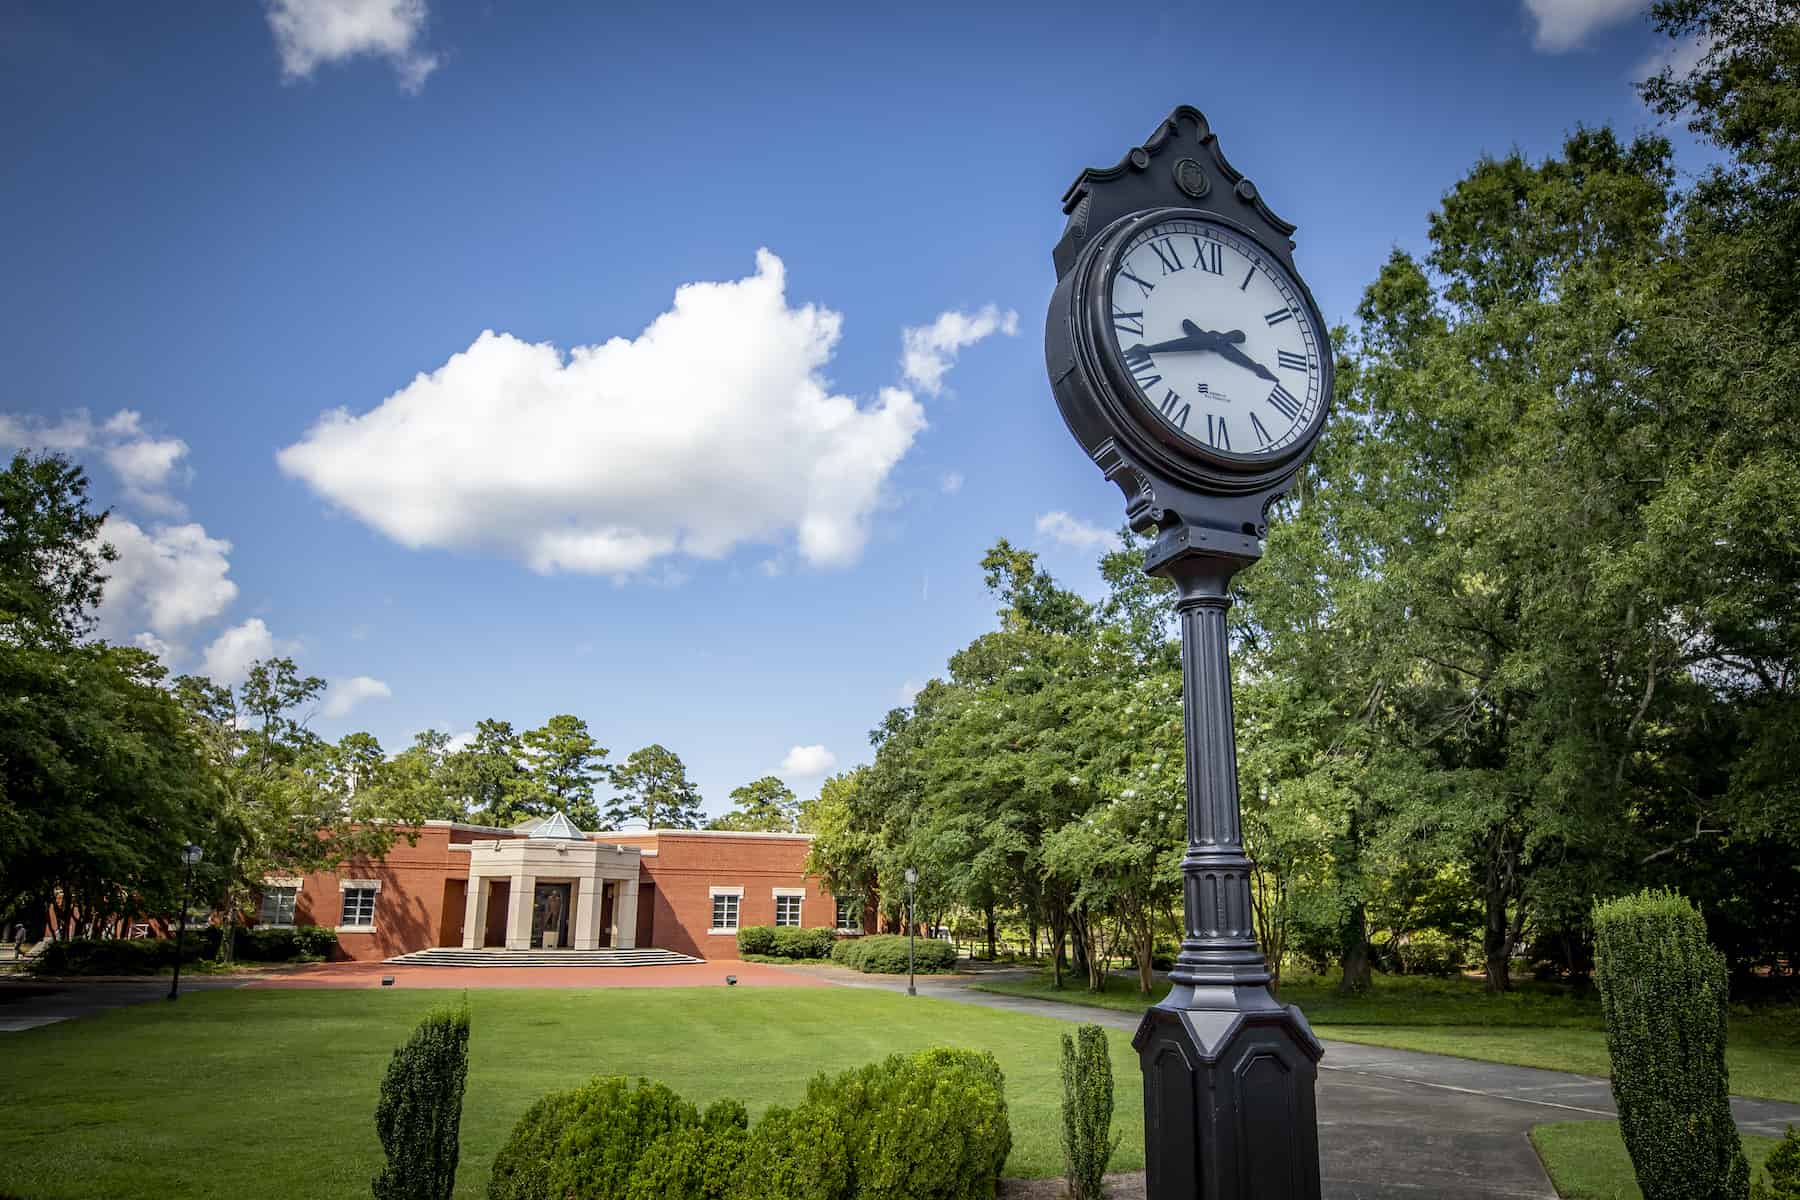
(1118, 393)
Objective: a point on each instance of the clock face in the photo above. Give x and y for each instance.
(1217, 338)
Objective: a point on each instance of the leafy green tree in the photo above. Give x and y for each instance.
(652, 786)
(418, 782)
(488, 776)
(563, 764)
(765, 805)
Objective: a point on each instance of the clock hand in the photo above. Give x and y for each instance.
(1230, 353)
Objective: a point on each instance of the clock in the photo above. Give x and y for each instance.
(1216, 340)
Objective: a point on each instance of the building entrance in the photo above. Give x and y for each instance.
(550, 916)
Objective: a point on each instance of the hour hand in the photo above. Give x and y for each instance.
(1231, 353)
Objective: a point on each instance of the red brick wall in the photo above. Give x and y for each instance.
(687, 865)
(409, 908)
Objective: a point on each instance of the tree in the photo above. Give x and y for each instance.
(289, 802)
(488, 775)
(563, 762)
(765, 805)
(653, 787)
(420, 783)
(51, 555)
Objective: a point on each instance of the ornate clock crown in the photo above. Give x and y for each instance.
(1180, 165)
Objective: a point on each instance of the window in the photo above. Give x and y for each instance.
(787, 909)
(359, 908)
(725, 910)
(277, 906)
(849, 912)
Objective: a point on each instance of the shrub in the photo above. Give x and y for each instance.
(1087, 1109)
(885, 954)
(419, 1115)
(125, 956)
(925, 1126)
(1783, 1166)
(695, 1162)
(756, 939)
(1663, 991)
(613, 1124)
(795, 1154)
(522, 1168)
(264, 944)
(803, 943)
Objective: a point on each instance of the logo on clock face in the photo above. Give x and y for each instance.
(1217, 337)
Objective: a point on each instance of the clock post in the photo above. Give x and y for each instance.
(1159, 357)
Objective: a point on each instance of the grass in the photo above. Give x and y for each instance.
(1535, 1025)
(1587, 1159)
(271, 1092)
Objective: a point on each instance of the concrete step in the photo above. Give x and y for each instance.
(452, 956)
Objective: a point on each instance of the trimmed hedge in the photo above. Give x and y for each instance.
(1663, 990)
(146, 956)
(885, 954)
(925, 1126)
(1087, 1110)
(419, 1115)
(768, 941)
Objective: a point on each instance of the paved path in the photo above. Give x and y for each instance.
(703, 974)
(27, 1004)
(1402, 1125)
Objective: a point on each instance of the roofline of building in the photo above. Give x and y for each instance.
(724, 833)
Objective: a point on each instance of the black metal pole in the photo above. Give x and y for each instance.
(1228, 1070)
(187, 888)
(911, 928)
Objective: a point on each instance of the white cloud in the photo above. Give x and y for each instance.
(227, 660)
(1679, 57)
(928, 351)
(169, 579)
(460, 741)
(1076, 533)
(146, 465)
(808, 761)
(1562, 25)
(952, 482)
(713, 427)
(909, 691)
(311, 32)
(345, 694)
(156, 646)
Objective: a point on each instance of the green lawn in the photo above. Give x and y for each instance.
(270, 1093)
(1587, 1159)
(1532, 1026)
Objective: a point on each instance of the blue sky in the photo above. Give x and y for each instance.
(748, 520)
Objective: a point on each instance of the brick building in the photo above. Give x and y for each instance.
(548, 885)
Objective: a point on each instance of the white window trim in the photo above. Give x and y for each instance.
(345, 885)
(715, 892)
(790, 894)
(800, 892)
(292, 908)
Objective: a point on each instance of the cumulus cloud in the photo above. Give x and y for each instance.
(311, 32)
(715, 426)
(146, 465)
(1076, 533)
(1679, 58)
(169, 579)
(1563, 25)
(928, 351)
(808, 761)
(345, 694)
(227, 660)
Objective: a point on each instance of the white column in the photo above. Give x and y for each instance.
(474, 912)
(625, 915)
(518, 913)
(584, 930)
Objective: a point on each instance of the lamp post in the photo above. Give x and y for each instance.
(190, 854)
(912, 877)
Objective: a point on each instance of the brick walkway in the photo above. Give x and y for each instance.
(707, 974)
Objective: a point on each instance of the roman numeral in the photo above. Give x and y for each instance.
(1248, 276)
(1148, 287)
(1262, 435)
(1217, 435)
(1128, 322)
(1279, 315)
(1170, 258)
(1176, 417)
(1284, 403)
(1209, 259)
(1292, 361)
(1143, 368)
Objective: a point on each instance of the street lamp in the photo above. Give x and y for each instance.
(190, 854)
(912, 877)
